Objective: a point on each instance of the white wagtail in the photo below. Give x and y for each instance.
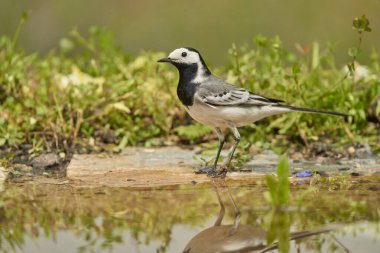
(213, 102)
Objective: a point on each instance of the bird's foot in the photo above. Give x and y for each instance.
(221, 173)
(213, 172)
(206, 170)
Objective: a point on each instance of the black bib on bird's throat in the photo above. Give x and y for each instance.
(186, 88)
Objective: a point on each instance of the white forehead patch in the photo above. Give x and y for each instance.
(185, 56)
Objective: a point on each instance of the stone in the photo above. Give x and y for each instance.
(142, 167)
(364, 151)
(45, 160)
(23, 168)
(351, 150)
(3, 176)
(265, 162)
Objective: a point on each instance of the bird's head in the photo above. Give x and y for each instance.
(183, 56)
(186, 57)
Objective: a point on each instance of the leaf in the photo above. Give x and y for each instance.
(282, 220)
(353, 51)
(278, 190)
(66, 45)
(272, 187)
(123, 143)
(261, 40)
(283, 181)
(25, 15)
(272, 230)
(361, 24)
(41, 110)
(351, 69)
(296, 69)
(192, 132)
(121, 107)
(268, 196)
(377, 111)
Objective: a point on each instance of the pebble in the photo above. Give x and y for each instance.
(323, 173)
(3, 177)
(3, 174)
(351, 150)
(364, 151)
(45, 160)
(320, 159)
(23, 168)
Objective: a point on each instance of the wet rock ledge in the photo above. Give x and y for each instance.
(140, 167)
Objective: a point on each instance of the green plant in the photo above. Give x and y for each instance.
(278, 188)
(360, 25)
(87, 89)
(192, 132)
(278, 225)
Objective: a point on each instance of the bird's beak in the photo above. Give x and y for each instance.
(166, 59)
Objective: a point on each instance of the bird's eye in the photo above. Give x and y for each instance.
(184, 54)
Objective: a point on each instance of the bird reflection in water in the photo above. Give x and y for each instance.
(237, 237)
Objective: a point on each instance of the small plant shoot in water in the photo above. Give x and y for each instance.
(278, 188)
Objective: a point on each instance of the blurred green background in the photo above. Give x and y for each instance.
(210, 26)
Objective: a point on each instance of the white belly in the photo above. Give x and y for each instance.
(230, 116)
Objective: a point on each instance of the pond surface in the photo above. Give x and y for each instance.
(338, 216)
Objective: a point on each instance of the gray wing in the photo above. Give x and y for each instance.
(219, 93)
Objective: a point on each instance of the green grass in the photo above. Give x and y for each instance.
(87, 89)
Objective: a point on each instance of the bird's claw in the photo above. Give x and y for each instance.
(206, 170)
(213, 172)
(221, 173)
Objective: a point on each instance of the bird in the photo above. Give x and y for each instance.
(238, 237)
(213, 102)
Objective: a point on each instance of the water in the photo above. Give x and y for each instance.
(37, 217)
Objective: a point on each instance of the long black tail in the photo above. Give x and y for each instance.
(301, 109)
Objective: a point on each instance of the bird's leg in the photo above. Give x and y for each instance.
(237, 211)
(237, 139)
(212, 171)
(221, 143)
(222, 209)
